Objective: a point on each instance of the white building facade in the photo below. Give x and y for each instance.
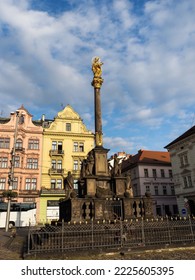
(151, 173)
(182, 153)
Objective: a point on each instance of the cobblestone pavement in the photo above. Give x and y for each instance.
(11, 248)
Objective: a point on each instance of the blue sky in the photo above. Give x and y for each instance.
(148, 51)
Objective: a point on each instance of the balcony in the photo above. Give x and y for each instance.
(28, 193)
(56, 153)
(20, 149)
(51, 191)
(56, 171)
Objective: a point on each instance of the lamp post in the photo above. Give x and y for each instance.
(11, 173)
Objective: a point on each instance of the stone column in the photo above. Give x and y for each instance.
(97, 83)
(98, 118)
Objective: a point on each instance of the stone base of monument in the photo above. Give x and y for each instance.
(101, 164)
(109, 208)
(90, 186)
(120, 186)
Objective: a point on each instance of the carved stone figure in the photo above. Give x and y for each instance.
(129, 189)
(117, 166)
(90, 163)
(83, 168)
(69, 185)
(69, 182)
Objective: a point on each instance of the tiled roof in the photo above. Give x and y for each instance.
(149, 157)
(186, 134)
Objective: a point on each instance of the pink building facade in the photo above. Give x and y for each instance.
(21, 138)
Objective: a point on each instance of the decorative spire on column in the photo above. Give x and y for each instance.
(97, 83)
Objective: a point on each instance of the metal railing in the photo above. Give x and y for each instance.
(110, 234)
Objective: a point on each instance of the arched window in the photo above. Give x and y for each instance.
(19, 144)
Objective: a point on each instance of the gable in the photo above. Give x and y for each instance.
(68, 113)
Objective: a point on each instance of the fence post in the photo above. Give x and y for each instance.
(62, 245)
(191, 229)
(143, 233)
(169, 234)
(92, 229)
(121, 232)
(29, 237)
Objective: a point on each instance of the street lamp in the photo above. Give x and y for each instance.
(11, 173)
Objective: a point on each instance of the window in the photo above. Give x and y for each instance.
(156, 190)
(59, 164)
(33, 144)
(147, 188)
(59, 184)
(32, 163)
(184, 159)
(53, 183)
(19, 144)
(164, 190)
(154, 173)
(175, 209)
(56, 183)
(27, 184)
(167, 210)
(76, 165)
(30, 184)
(76, 185)
(80, 162)
(21, 119)
(75, 148)
(3, 162)
(146, 173)
(162, 172)
(15, 184)
(57, 146)
(54, 145)
(135, 190)
(16, 161)
(172, 190)
(33, 183)
(2, 183)
(78, 147)
(53, 164)
(4, 143)
(68, 126)
(81, 147)
(170, 173)
(56, 164)
(158, 210)
(187, 181)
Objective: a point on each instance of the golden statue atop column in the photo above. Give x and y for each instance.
(97, 71)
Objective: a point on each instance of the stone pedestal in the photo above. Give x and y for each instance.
(101, 164)
(76, 210)
(99, 206)
(148, 207)
(128, 208)
(91, 186)
(120, 186)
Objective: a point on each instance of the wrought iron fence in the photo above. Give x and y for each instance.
(110, 234)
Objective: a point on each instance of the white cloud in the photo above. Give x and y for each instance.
(148, 60)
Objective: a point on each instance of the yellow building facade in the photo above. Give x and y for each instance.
(66, 142)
